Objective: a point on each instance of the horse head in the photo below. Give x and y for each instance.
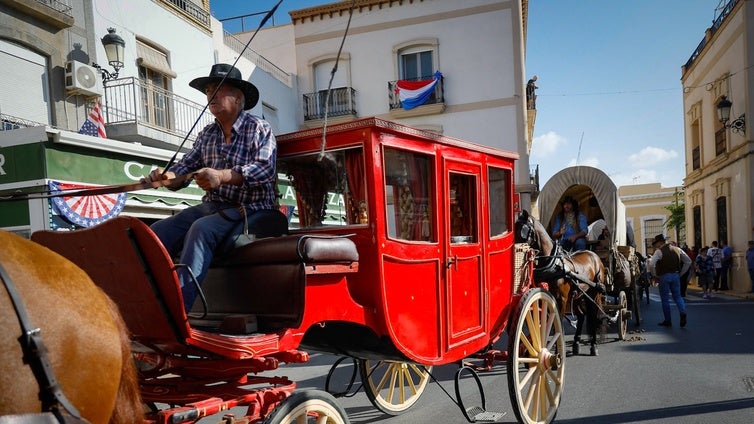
(530, 231)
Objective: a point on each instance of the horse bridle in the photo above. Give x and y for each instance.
(35, 355)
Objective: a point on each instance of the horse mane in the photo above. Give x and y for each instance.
(546, 244)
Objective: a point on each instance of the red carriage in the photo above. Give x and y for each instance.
(397, 249)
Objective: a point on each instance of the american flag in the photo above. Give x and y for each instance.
(95, 123)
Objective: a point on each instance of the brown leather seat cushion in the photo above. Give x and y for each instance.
(295, 249)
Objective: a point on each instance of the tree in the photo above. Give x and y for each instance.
(677, 218)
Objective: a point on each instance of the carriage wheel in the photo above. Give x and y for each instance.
(536, 358)
(393, 386)
(308, 406)
(634, 300)
(622, 315)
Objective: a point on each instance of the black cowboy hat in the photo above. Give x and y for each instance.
(233, 77)
(658, 238)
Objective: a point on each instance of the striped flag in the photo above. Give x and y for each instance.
(416, 93)
(95, 123)
(85, 211)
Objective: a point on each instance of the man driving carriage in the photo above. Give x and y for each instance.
(234, 161)
(570, 227)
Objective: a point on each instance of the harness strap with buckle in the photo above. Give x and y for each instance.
(35, 355)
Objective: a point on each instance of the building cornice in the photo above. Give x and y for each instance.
(339, 8)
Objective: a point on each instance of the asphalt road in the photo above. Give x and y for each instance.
(703, 373)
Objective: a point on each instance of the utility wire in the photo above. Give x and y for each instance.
(329, 85)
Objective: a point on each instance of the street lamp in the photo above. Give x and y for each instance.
(114, 48)
(738, 125)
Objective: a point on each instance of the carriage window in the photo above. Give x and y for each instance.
(462, 202)
(499, 204)
(409, 185)
(327, 191)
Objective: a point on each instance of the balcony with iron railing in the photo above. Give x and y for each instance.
(137, 111)
(191, 10)
(239, 46)
(433, 105)
(54, 12)
(709, 33)
(342, 102)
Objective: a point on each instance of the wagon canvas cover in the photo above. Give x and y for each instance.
(595, 193)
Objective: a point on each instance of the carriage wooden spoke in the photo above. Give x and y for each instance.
(623, 314)
(393, 387)
(308, 407)
(536, 358)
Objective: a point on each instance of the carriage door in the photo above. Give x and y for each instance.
(463, 262)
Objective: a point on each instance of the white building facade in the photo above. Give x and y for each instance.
(49, 86)
(719, 160)
(475, 47)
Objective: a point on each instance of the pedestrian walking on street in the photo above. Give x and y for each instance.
(717, 261)
(750, 264)
(705, 271)
(725, 263)
(667, 264)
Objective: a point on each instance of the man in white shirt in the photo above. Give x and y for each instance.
(717, 261)
(667, 264)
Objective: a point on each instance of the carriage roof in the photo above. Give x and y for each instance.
(596, 195)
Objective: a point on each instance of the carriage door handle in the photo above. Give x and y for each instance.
(453, 261)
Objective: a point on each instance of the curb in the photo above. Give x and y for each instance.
(731, 293)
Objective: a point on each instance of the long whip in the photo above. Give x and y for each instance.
(214, 93)
(329, 85)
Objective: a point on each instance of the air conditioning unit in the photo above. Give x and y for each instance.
(81, 78)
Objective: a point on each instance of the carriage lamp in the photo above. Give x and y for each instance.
(738, 125)
(114, 49)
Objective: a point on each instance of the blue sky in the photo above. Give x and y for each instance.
(608, 72)
(610, 94)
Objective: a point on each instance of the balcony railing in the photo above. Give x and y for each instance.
(395, 101)
(131, 100)
(57, 5)
(10, 122)
(342, 102)
(712, 30)
(192, 10)
(257, 59)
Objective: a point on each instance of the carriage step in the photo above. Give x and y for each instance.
(477, 414)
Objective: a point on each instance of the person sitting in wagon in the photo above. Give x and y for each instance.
(570, 228)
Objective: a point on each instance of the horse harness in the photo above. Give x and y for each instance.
(35, 355)
(552, 267)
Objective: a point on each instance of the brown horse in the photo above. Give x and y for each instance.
(578, 276)
(87, 342)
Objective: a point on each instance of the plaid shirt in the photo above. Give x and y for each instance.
(251, 152)
(704, 265)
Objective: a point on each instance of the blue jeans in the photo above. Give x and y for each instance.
(724, 277)
(671, 283)
(578, 244)
(196, 233)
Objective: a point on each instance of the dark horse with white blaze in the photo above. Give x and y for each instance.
(579, 276)
(87, 345)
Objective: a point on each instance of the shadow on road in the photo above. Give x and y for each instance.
(670, 412)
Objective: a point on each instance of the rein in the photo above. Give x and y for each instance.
(35, 355)
(110, 189)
